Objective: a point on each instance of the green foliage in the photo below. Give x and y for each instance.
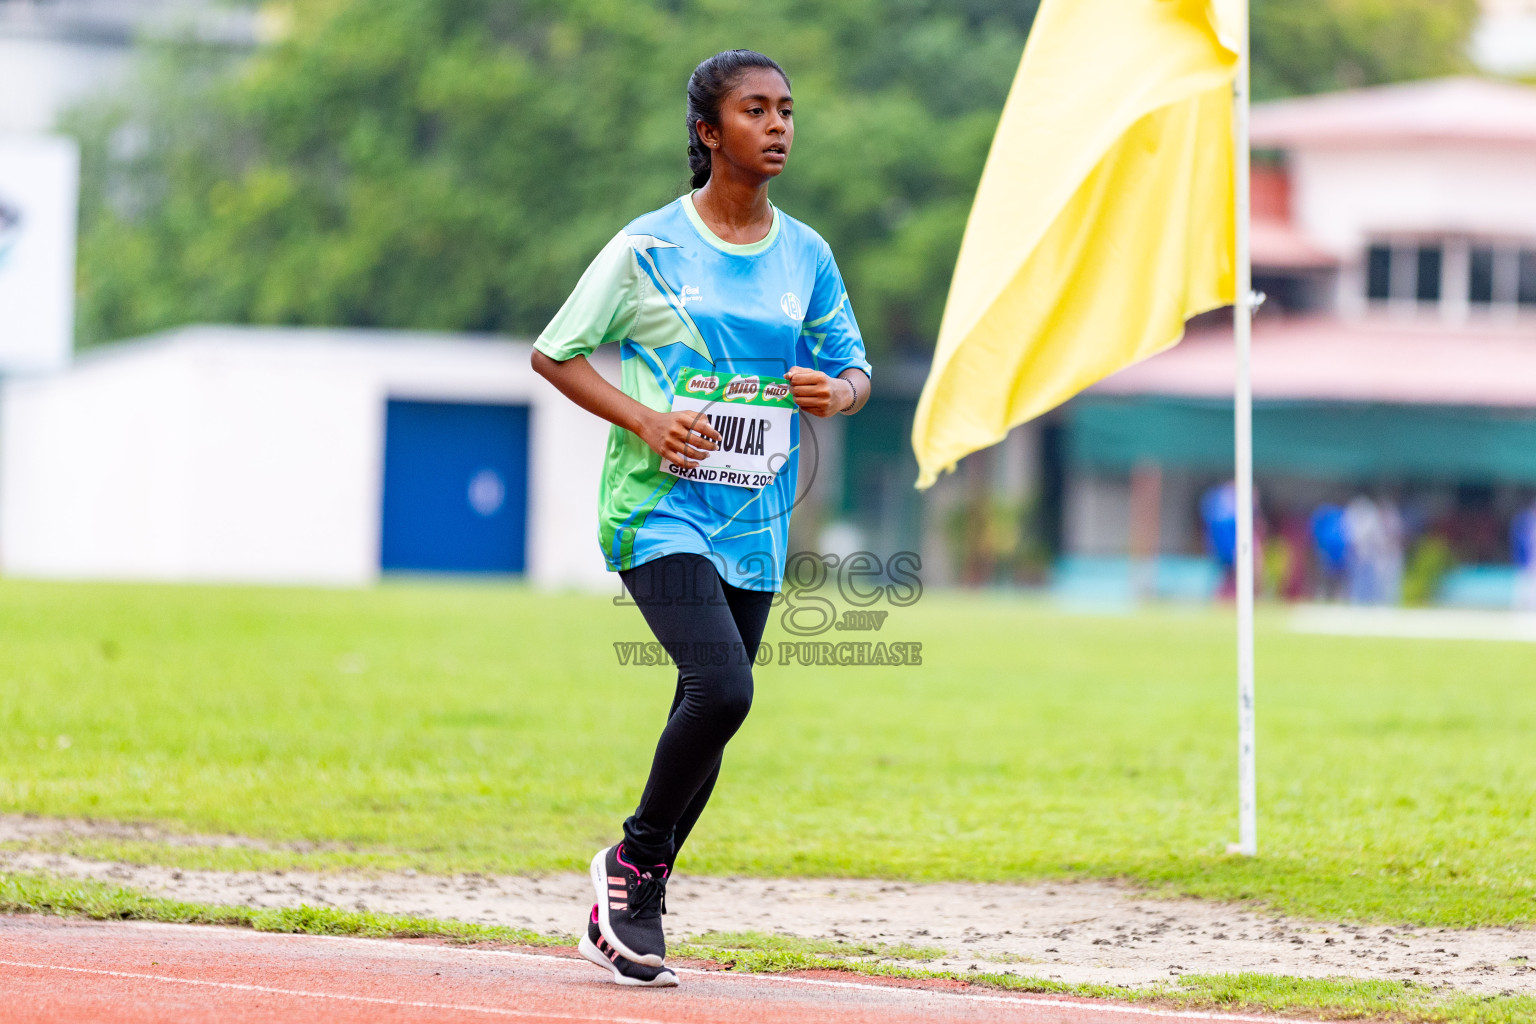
(1307, 46)
(455, 163)
(1431, 560)
(988, 539)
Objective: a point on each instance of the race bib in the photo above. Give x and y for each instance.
(753, 415)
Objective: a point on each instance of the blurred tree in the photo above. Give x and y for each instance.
(1307, 46)
(454, 164)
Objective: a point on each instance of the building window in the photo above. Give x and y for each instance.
(1408, 273)
(1430, 258)
(1378, 278)
(1526, 295)
(1481, 274)
(1480, 287)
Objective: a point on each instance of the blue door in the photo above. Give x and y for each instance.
(455, 487)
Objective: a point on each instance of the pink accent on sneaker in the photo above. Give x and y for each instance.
(594, 913)
(619, 854)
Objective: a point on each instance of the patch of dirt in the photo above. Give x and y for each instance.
(24, 828)
(1085, 932)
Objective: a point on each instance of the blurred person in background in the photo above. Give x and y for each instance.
(1331, 548)
(718, 281)
(1287, 552)
(1362, 537)
(1522, 542)
(1392, 556)
(1374, 562)
(1218, 514)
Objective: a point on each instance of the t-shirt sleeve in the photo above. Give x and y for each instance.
(829, 337)
(601, 308)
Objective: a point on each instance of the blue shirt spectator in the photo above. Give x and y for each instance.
(1522, 537)
(1218, 511)
(1330, 538)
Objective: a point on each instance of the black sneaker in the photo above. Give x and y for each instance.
(630, 902)
(625, 971)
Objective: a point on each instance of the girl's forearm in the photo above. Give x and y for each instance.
(578, 380)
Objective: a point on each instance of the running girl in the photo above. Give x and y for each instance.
(723, 290)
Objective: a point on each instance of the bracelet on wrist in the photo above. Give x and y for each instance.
(848, 409)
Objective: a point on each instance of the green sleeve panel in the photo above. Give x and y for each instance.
(633, 480)
(602, 307)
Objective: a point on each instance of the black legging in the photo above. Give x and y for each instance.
(712, 630)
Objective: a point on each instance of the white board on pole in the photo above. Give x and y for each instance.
(39, 193)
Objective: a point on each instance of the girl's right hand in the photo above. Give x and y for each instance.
(681, 438)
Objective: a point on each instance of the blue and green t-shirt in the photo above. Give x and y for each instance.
(675, 296)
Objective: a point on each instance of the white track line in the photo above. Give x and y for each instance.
(1079, 1002)
(735, 976)
(238, 987)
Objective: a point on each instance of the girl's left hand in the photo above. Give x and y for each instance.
(817, 393)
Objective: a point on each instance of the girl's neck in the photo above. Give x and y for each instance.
(736, 211)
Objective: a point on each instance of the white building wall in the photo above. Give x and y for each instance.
(1344, 197)
(283, 464)
(256, 455)
(76, 453)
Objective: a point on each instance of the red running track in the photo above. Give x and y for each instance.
(133, 973)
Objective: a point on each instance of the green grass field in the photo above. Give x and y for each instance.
(458, 727)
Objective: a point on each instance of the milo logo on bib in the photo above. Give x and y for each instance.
(754, 416)
(742, 389)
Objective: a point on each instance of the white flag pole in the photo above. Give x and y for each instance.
(1242, 326)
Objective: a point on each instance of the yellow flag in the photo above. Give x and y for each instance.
(1103, 221)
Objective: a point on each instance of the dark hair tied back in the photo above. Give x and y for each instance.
(707, 86)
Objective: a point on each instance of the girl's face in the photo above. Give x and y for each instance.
(756, 124)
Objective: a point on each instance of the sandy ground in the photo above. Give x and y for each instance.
(1074, 932)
